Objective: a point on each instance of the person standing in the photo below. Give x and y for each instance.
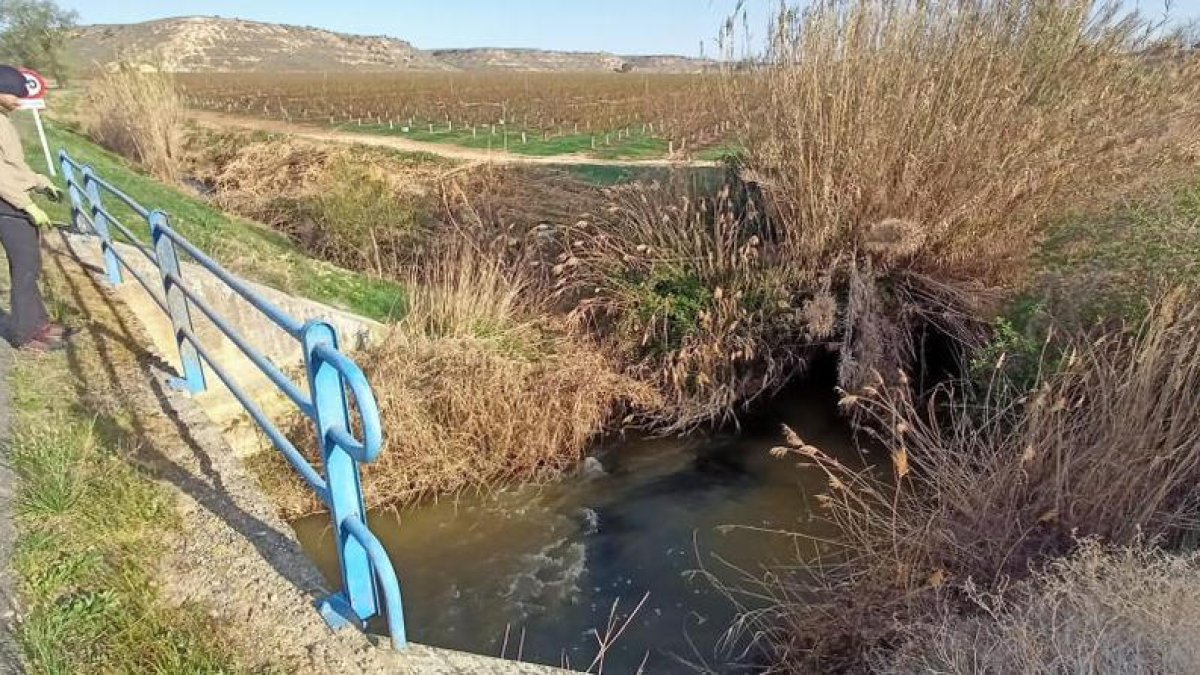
(29, 324)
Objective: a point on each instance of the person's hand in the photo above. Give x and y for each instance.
(52, 192)
(37, 215)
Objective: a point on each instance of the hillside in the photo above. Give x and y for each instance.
(209, 44)
(213, 44)
(494, 58)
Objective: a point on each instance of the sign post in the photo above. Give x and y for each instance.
(35, 84)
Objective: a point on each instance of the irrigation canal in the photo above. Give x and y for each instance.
(532, 572)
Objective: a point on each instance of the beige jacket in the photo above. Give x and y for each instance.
(16, 178)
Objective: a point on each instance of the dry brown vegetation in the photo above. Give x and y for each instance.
(360, 208)
(690, 294)
(904, 161)
(477, 388)
(1124, 610)
(139, 114)
(915, 148)
(986, 492)
(481, 391)
(916, 152)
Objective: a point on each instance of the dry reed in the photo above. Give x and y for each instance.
(1126, 610)
(987, 492)
(689, 292)
(900, 143)
(139, 114)
(903, 161)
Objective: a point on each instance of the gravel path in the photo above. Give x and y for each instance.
(469, 155)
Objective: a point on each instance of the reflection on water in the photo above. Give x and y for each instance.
(545, 566)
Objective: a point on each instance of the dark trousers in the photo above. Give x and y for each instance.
(22, 243)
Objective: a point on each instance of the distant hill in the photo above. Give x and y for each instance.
(213, 44)
(494, 58)
(207, 44)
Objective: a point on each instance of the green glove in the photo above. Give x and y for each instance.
(53, 192)
(37, 215)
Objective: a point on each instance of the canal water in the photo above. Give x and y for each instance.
(535, 572)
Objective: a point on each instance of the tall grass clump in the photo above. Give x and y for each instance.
(984, 493)
(690, 293)
(475, 389)
(916, 149)
(140, 114)
(1102, 610)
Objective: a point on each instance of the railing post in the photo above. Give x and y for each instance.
(358, 600)
(177, 303)
(112, 266)
(73, 192)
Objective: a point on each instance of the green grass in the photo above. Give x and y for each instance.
(721, 153)
(90, 533)
(671, 298)
(1112, 265)
(248, 249)
(1098, 268)
(636, 145)
(705, 180)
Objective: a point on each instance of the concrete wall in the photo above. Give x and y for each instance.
(355, 333)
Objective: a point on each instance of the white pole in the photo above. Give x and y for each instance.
(37, 119)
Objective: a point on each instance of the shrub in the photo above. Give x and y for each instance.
(139, 114)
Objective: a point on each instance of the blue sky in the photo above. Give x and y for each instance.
(621, 26)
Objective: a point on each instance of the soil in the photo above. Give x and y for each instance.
(468, 155)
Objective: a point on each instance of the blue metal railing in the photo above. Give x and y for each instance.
(367, 573)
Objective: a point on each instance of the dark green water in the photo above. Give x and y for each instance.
(549, 563)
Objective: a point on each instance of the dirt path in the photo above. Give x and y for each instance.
(447, 150)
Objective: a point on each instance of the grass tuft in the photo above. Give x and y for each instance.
(90, 532)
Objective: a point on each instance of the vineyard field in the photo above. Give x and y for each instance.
(606, 115)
